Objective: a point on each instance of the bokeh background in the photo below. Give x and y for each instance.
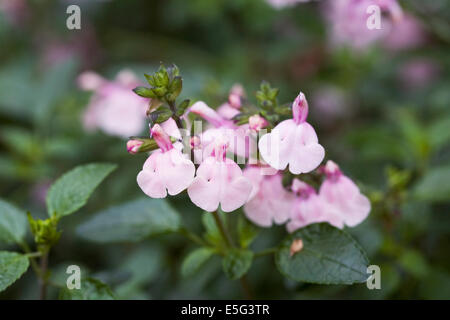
(381, 110)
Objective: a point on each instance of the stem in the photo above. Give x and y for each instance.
(222, 230)
(177, 119)
(43, 278)
(193, 237)
(32, 258)
(229, 243)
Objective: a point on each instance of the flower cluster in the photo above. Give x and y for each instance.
(200, 149)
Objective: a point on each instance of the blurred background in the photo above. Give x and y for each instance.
(380, 105)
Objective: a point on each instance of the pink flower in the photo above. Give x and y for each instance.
(348, 21)
(166, 169)
(219, 180)
(407, 33)
(133, 146)
(231, 108)
(309, 208)
(343, 197)
(114, 107)
(268, 202)
(293, 142)
(256, 122)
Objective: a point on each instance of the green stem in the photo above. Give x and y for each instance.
(193, 237)
(32, 258)
(43, 279)
(177, 119)
(230, 244)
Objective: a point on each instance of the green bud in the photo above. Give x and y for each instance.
(159, 91)
(175, 88)
(144, 92)
(45, 231)
(173, 71)
(150, 79)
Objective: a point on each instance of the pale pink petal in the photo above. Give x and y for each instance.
(204, 191)
(177, 172)
(148, 179)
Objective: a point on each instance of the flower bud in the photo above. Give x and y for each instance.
(195, 142)
(256, 122)
(300, 109)
(161, 138)
(138, 145)
(296, 246)
(134, 145)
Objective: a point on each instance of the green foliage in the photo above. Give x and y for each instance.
(71, 191)
(237, 262)
(13, 223)
(434, 186)
(195, 260)
(247, 232)
(91, 289)
(45, 231)
(12, 266)
(132, 221)
(328, 256)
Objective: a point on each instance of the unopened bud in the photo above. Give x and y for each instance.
(296, 246)
(133, 146)
(300, 109)
(256, 122)
(195, 142)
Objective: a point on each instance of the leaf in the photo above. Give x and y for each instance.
(71, 191)
(13, 223)
(434, 186)
(91, 289)
(132, 221)
(237, 262)
(212, 234)
(12, 266)
(247, 232)
(193, 262)
(328, 256)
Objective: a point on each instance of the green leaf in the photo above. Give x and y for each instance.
(144, 92)
(71, 191)
(132, 221)
(237, 262)
(193, 262)
(247, 232)
(13, 223)
(181, 109)
(212, 234)
(434, 186)
(328, 256)
(91, 289)
(12, 266)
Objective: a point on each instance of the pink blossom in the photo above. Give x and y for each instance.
(219, 180)
(268, 202)
(166, 170)
(406, 33)
(256, 122)
(133, 146)
(348, 21)
(308, 207)
(342, 196)
(231, 108)
(293, 142)
(114, 107)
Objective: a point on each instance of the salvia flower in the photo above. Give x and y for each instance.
(342, 196)
(219, 181)
(166, 170)
(293, 142)
(113, 108)
(308, 207)
(269, 202)
(231, 108)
